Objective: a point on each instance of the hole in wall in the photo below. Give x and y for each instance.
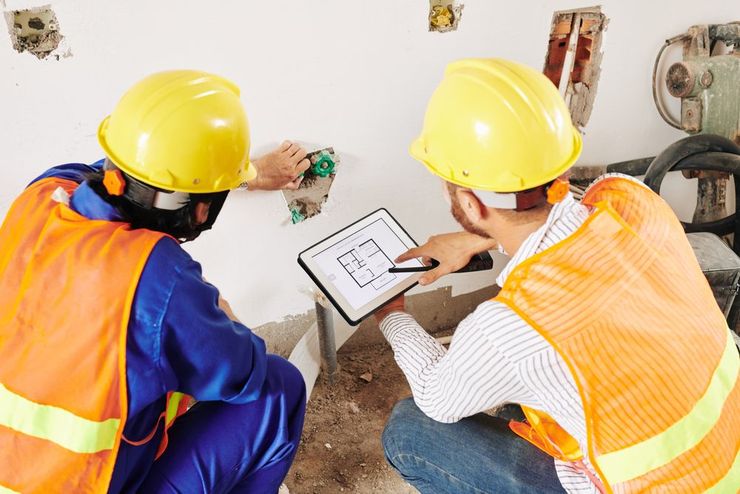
(444, 15)
(35, 31)
(573, 60)
(307, 201)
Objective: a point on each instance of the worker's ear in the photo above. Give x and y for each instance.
(473, 208)
(201, 212)
(446, 192)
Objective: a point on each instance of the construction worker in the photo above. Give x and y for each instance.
(605, 330)
(107, 327)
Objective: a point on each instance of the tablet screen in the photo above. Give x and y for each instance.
(351, 266)
(358, 264)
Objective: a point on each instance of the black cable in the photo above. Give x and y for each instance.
(634, 168)
(701, 152)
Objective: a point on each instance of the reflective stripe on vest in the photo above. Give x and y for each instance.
(174, 407)
(55, 424)
(625, 304)
(638, 459)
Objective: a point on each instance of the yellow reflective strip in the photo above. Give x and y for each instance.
(172, 405)
(730, 482)
(639, 459)
(5, 490)
(55, 424)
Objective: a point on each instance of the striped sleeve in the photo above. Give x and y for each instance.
(448, 385)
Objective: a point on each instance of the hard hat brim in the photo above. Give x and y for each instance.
(248, 173)
(418, 151)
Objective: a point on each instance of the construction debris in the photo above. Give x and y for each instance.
(444, 15)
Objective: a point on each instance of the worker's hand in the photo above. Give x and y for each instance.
(452, 250)
(398, 304)
(280, 168)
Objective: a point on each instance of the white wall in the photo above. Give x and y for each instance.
(348, 73)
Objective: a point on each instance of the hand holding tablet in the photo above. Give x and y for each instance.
(354, 267)
(351, 266)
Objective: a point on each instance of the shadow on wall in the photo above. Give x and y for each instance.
(36, 31)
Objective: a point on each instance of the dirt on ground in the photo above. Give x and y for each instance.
(340, 450)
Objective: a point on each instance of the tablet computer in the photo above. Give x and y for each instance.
(351, 266)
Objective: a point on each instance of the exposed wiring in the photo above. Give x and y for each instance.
(656, 97)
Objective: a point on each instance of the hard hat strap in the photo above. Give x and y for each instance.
(142, 194)
(170, 201)
(149, 197)
(518, 201)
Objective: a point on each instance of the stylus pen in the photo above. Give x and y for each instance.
(415, 269)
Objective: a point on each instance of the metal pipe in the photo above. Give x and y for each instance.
(327, 340)
(670, 120)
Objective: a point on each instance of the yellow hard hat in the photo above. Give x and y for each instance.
(497, 125)
(180, 130)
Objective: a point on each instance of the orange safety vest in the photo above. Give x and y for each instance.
(66, 288)
(624, 303)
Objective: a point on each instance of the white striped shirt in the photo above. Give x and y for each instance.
(495, 357)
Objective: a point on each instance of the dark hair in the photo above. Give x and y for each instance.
(179, 223)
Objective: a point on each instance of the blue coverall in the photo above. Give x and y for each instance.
(243, 434)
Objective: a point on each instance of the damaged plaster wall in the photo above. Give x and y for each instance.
(445, 15)
(36, 31)
(360, 86)
(573, 61)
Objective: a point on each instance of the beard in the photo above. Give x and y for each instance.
(462, 219)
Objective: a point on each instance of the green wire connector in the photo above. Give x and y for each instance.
(324, 166)
(296, 216)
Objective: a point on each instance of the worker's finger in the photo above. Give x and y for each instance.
(293, 149)
(284, 146)
(433, 275)
(299, 156)
(303, 165)
(412, 253)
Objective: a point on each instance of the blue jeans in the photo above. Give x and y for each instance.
(477, 455)
(217, 447)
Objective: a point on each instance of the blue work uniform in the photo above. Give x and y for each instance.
(243, 434)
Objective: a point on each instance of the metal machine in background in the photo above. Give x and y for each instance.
(707, 80)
